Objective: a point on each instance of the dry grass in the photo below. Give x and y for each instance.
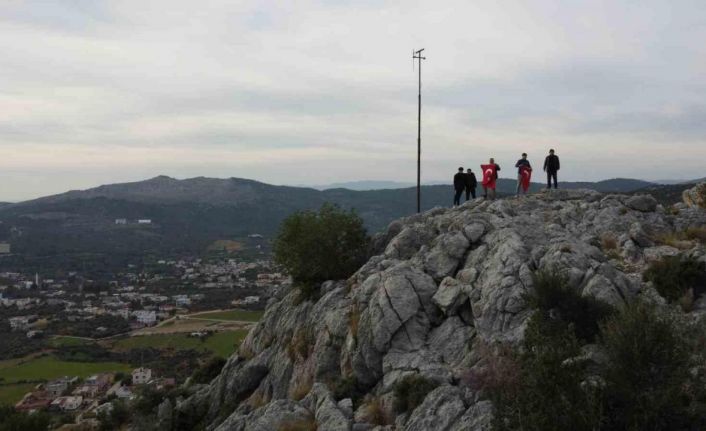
(685, 239)
(301, 389)
(566, 248)
(608, 242)
(696, 234)
(308, 424)
(686, 302)
(376, 412)
(300, 345)
(354, 320)
(497, 368)
(257, 400)
(245, 352)
(623, 211)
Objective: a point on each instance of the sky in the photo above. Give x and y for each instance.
(314, 92)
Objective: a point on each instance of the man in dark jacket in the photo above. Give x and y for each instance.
(459, 185)
(551, 167)
(471, 184)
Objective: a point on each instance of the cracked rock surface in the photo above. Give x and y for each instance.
(440, 282)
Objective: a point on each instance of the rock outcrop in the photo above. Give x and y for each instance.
(441, 283)
(695, 196)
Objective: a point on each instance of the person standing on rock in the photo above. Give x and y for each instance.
(522, 165)
(471, 183)
(490, 176)
(551, 167)
(459, 185)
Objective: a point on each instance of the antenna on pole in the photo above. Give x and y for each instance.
(418, 56)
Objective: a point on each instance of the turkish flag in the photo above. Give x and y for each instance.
(488, 176)
(526, 176)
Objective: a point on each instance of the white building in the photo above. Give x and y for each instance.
(19, 323)
(146, 317)
(144, 221)
(67, 404)
(4, 247)
(120, 221)
(141, 376)
(124, 392)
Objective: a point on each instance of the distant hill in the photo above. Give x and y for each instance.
(366, 185)
(187, 215)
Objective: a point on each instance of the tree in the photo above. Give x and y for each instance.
(314, 247)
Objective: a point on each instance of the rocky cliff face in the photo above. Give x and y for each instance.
(441, 283)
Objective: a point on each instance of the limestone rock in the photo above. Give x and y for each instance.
(695, 196)
(644, 203)
(440, 284)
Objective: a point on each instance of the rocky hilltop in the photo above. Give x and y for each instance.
(440, 284)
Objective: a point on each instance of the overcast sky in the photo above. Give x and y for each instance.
(307, 92)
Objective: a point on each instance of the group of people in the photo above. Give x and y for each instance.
(467, 181)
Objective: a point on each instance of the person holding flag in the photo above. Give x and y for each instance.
(490, 175)
(524, 173)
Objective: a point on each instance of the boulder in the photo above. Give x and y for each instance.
(643, 203)
(695, 196)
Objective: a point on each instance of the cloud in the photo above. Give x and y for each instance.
(323, 91)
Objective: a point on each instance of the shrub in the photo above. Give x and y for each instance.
(552, 294)
(673, 276)
(10, 420)
(347, 387)
(548, 395)
(208, 371)
(411, 391)
(498, 367)
(317, 246)
(649, 384)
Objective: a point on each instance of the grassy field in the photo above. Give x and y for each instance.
(221, 343)
(60, 341)
(11, 394)
(239, 315)
(49, 367)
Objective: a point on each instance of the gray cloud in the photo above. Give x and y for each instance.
(316, 92)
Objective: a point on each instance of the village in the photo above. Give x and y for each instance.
(176, 314)
(40, 306)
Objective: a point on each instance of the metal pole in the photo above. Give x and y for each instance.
(418, 56)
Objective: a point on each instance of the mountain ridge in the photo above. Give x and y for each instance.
(187, 215)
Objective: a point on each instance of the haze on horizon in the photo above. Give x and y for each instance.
(317, 92)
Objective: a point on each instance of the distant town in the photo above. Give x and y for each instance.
(149, 327)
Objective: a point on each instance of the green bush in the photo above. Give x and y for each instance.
(411, 391)
(649, 384)
(10, 420)
(553, 295)
(673, 276)
(208, 371)
(115, 418)
(313, 247)
(348, 387)
(548, 394)
(653, 378)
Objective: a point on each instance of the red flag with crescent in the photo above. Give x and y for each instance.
(488, 176)
(526, 176)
